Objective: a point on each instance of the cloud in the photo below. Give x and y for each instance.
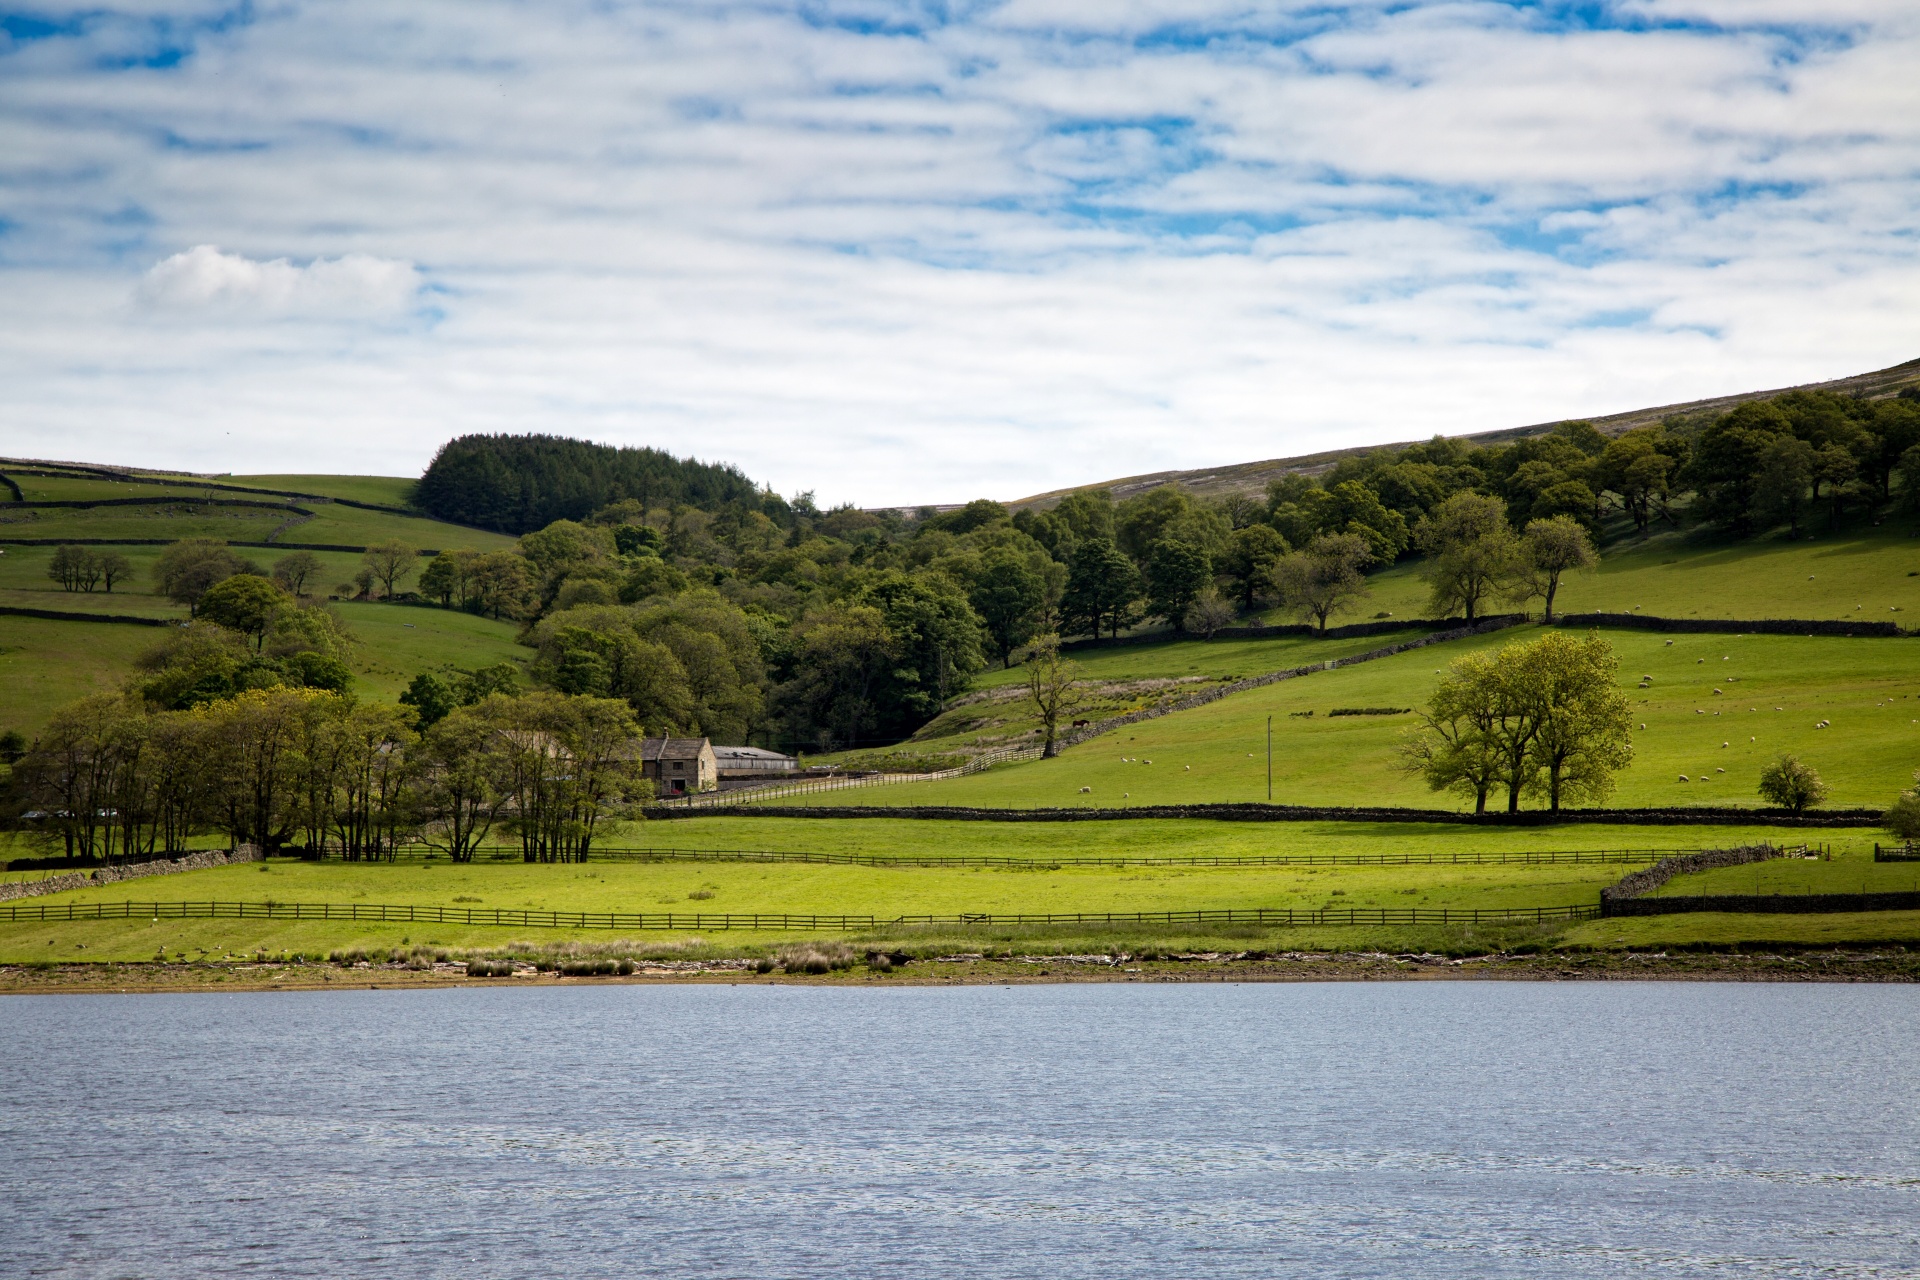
(204, 279)
(903, 253)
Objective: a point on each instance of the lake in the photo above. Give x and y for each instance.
(1435, 1129)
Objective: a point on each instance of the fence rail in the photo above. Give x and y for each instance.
(1559, 857)
(770, 921)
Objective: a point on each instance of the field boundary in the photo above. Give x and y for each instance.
(167, 542)
(1256, 812)
(192, 481)
(1735, 626)
(1280, 631)
(1764, 904)
(773, 921)
(62, 615)
(1566, 857)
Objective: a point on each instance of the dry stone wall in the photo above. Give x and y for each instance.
(132, 871)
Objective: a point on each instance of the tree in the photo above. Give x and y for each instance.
(1209, 612)
(1727, 462)
(1455, 748)
(74, 568)
(1792, 785)
(114, 567)
(295, 570)
(1637, 467)
(465, 785)
(1471, 550)
(1102, 586)
(840, 654)
(499, 586)
(1323, 579)
(246, 604)
(389, 562)
(1543, 717)
(1584, 731)
(188, 569)
(1053, 689)
(1250, 558)
(430, 697)
(1008, 595)
(1549, 550)
(1177, 572)
(1786, 468)
(1903, 815)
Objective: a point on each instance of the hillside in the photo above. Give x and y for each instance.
(1253, 477)
(48, 661)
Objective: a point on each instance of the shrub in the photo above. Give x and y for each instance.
(815, 957)
(1903, 815)
(1792, 785)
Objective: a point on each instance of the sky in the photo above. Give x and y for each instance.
(903, 253)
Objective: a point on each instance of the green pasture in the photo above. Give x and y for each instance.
(45, 664)
(1726, 929)
(94, 489)
(734, 887)
(1204, 659)
(157, 520)
(1191, 838)
(388, 491)
(330, 523)
(1865, 572)
(398, 642)
(1857, 874)
(1773, 691)
(714, 887)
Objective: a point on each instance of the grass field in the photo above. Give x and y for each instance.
(894, 891)
(1863, 572)
(1774, 691)
(388, 491)
(158, 520)
(44, 664)
(398, 642)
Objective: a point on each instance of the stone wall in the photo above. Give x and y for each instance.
(132, 871)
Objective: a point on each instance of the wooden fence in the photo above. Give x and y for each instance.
(1553, 857)
(771, 921)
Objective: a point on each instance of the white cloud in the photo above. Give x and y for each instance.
(207, 280)
(1015, 248)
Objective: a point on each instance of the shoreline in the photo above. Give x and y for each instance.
(1834, 965)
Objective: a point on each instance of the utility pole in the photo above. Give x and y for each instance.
(1269, 759)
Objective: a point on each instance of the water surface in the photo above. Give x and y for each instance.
(1328, 1130)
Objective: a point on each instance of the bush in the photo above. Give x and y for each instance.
(1903, 815)
(815, 957)
(1792, 785)
(489, 969)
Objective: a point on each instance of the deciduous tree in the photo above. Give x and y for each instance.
(1791, 784)
(1324, 578)
(1053, 689)
(1471, 550)
(1549, 550)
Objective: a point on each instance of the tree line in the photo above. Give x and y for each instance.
(518, 483)
(115, 776)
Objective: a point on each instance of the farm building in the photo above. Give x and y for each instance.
(752, 764)
(678, 766)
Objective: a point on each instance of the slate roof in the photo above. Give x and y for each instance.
(672, 748)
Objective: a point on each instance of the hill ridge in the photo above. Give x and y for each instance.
(1253, 477)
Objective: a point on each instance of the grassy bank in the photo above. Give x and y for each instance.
(1717, 709)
